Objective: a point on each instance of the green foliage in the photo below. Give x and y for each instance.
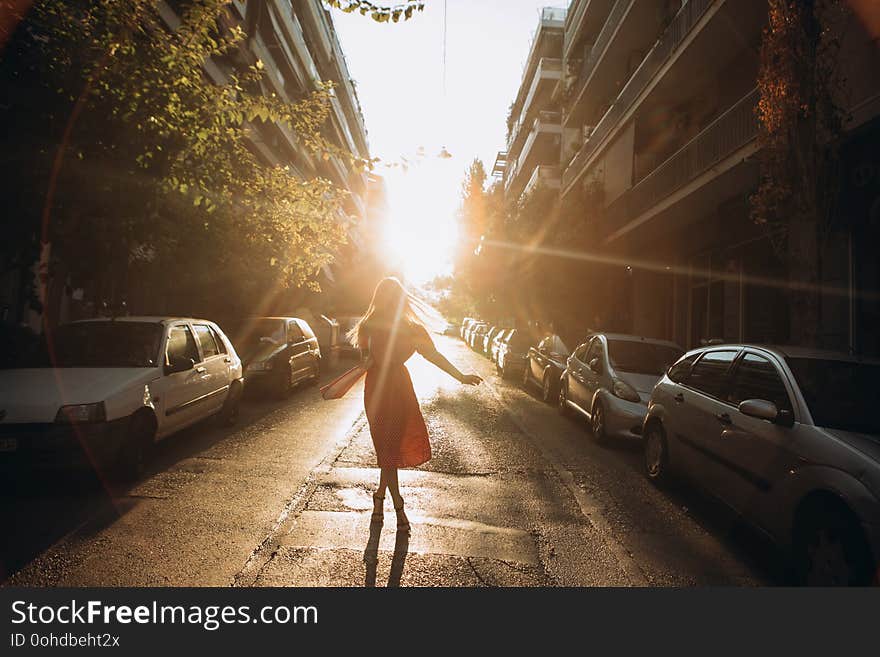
(380, 14)
(157, 128)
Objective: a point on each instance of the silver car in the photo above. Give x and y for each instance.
(608, 380)
(787, 437)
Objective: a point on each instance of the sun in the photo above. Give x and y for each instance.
(421, 230)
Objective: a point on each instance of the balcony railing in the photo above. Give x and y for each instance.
(573, 19)
(544, 174)
(548, 68)
(728, 133)
(545, 122)
(615, 16)
(673, 35)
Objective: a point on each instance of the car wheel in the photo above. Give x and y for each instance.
(135, 453)
(562, 405)
(656, 454)
(316, 377)
(285, 383)
(830, 548)
(228, 415)
(525, 377)
(597, 423)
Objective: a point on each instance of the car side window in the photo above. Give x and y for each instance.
(756, 377)
(306, 329)
(206, 340)
(680, 370)
(221, 344)
(709, 372)
(595, 351)
(294, 334)
(181, 345)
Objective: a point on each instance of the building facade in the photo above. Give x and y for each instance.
(658, 102)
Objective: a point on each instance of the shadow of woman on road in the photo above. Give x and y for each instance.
(371, 556)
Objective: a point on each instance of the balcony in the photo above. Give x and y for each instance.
(676, 32)
(725, 136)
(548, 71)
(544, 175)
(542, 144)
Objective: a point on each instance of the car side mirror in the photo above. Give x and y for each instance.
(596, 366)
(179, 365)
(766, 410)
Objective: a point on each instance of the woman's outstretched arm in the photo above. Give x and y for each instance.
(427, 349)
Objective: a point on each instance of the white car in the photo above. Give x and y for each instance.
(102, 391)
(789, 438)
(608, 380)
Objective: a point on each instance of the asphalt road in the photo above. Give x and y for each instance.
(515, 495)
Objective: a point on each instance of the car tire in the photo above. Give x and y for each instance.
(137, 449)
(597, 423)
(656, 454)
(562, 403)
(316, 377)
(830, 548)
(285, 383)
(228, 414)
(526, 379)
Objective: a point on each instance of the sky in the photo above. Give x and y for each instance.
(398, 70)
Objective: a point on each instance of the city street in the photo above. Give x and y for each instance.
(515, 495)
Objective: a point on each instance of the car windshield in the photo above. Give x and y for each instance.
(98, 344)
(642, 357)
(840, 394)
(249, 335)
(557, 346)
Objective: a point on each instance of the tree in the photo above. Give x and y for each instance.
(139, 157)
(801, 123)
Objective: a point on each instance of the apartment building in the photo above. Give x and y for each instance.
(296, 41)
(658, 105)
(534, 124)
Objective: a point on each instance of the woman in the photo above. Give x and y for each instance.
(392, 329)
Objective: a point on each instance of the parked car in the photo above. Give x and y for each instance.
(544, 365)
(465, 324)
(101, 392)
(789, 438)
(512, 352)
(277, 352)
(496, 343)
(475, 335)
(466, 336)
(487, 339)
(346, 348)
(608, 380)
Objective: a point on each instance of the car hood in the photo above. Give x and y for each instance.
(867, 444)
(641, 383)
(35, 395)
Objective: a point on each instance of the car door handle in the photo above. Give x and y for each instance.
(227, 360)
(679, 398)
(201, 370)
(723, 418)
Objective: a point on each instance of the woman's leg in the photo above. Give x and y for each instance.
(390, 476)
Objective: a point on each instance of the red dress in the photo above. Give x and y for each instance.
(396, 423)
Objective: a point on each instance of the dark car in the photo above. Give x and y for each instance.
(544, 365)
(475, 336)
(496, 343)
(512, 352)
(277, 352)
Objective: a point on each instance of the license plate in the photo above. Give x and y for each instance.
(8, 444)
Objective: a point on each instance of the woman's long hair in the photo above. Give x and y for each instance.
(392, 306)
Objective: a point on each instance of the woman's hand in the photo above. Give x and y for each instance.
(470, 379)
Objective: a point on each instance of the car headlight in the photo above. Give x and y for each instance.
(81, 413)
(260, 366)
(625, 391)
